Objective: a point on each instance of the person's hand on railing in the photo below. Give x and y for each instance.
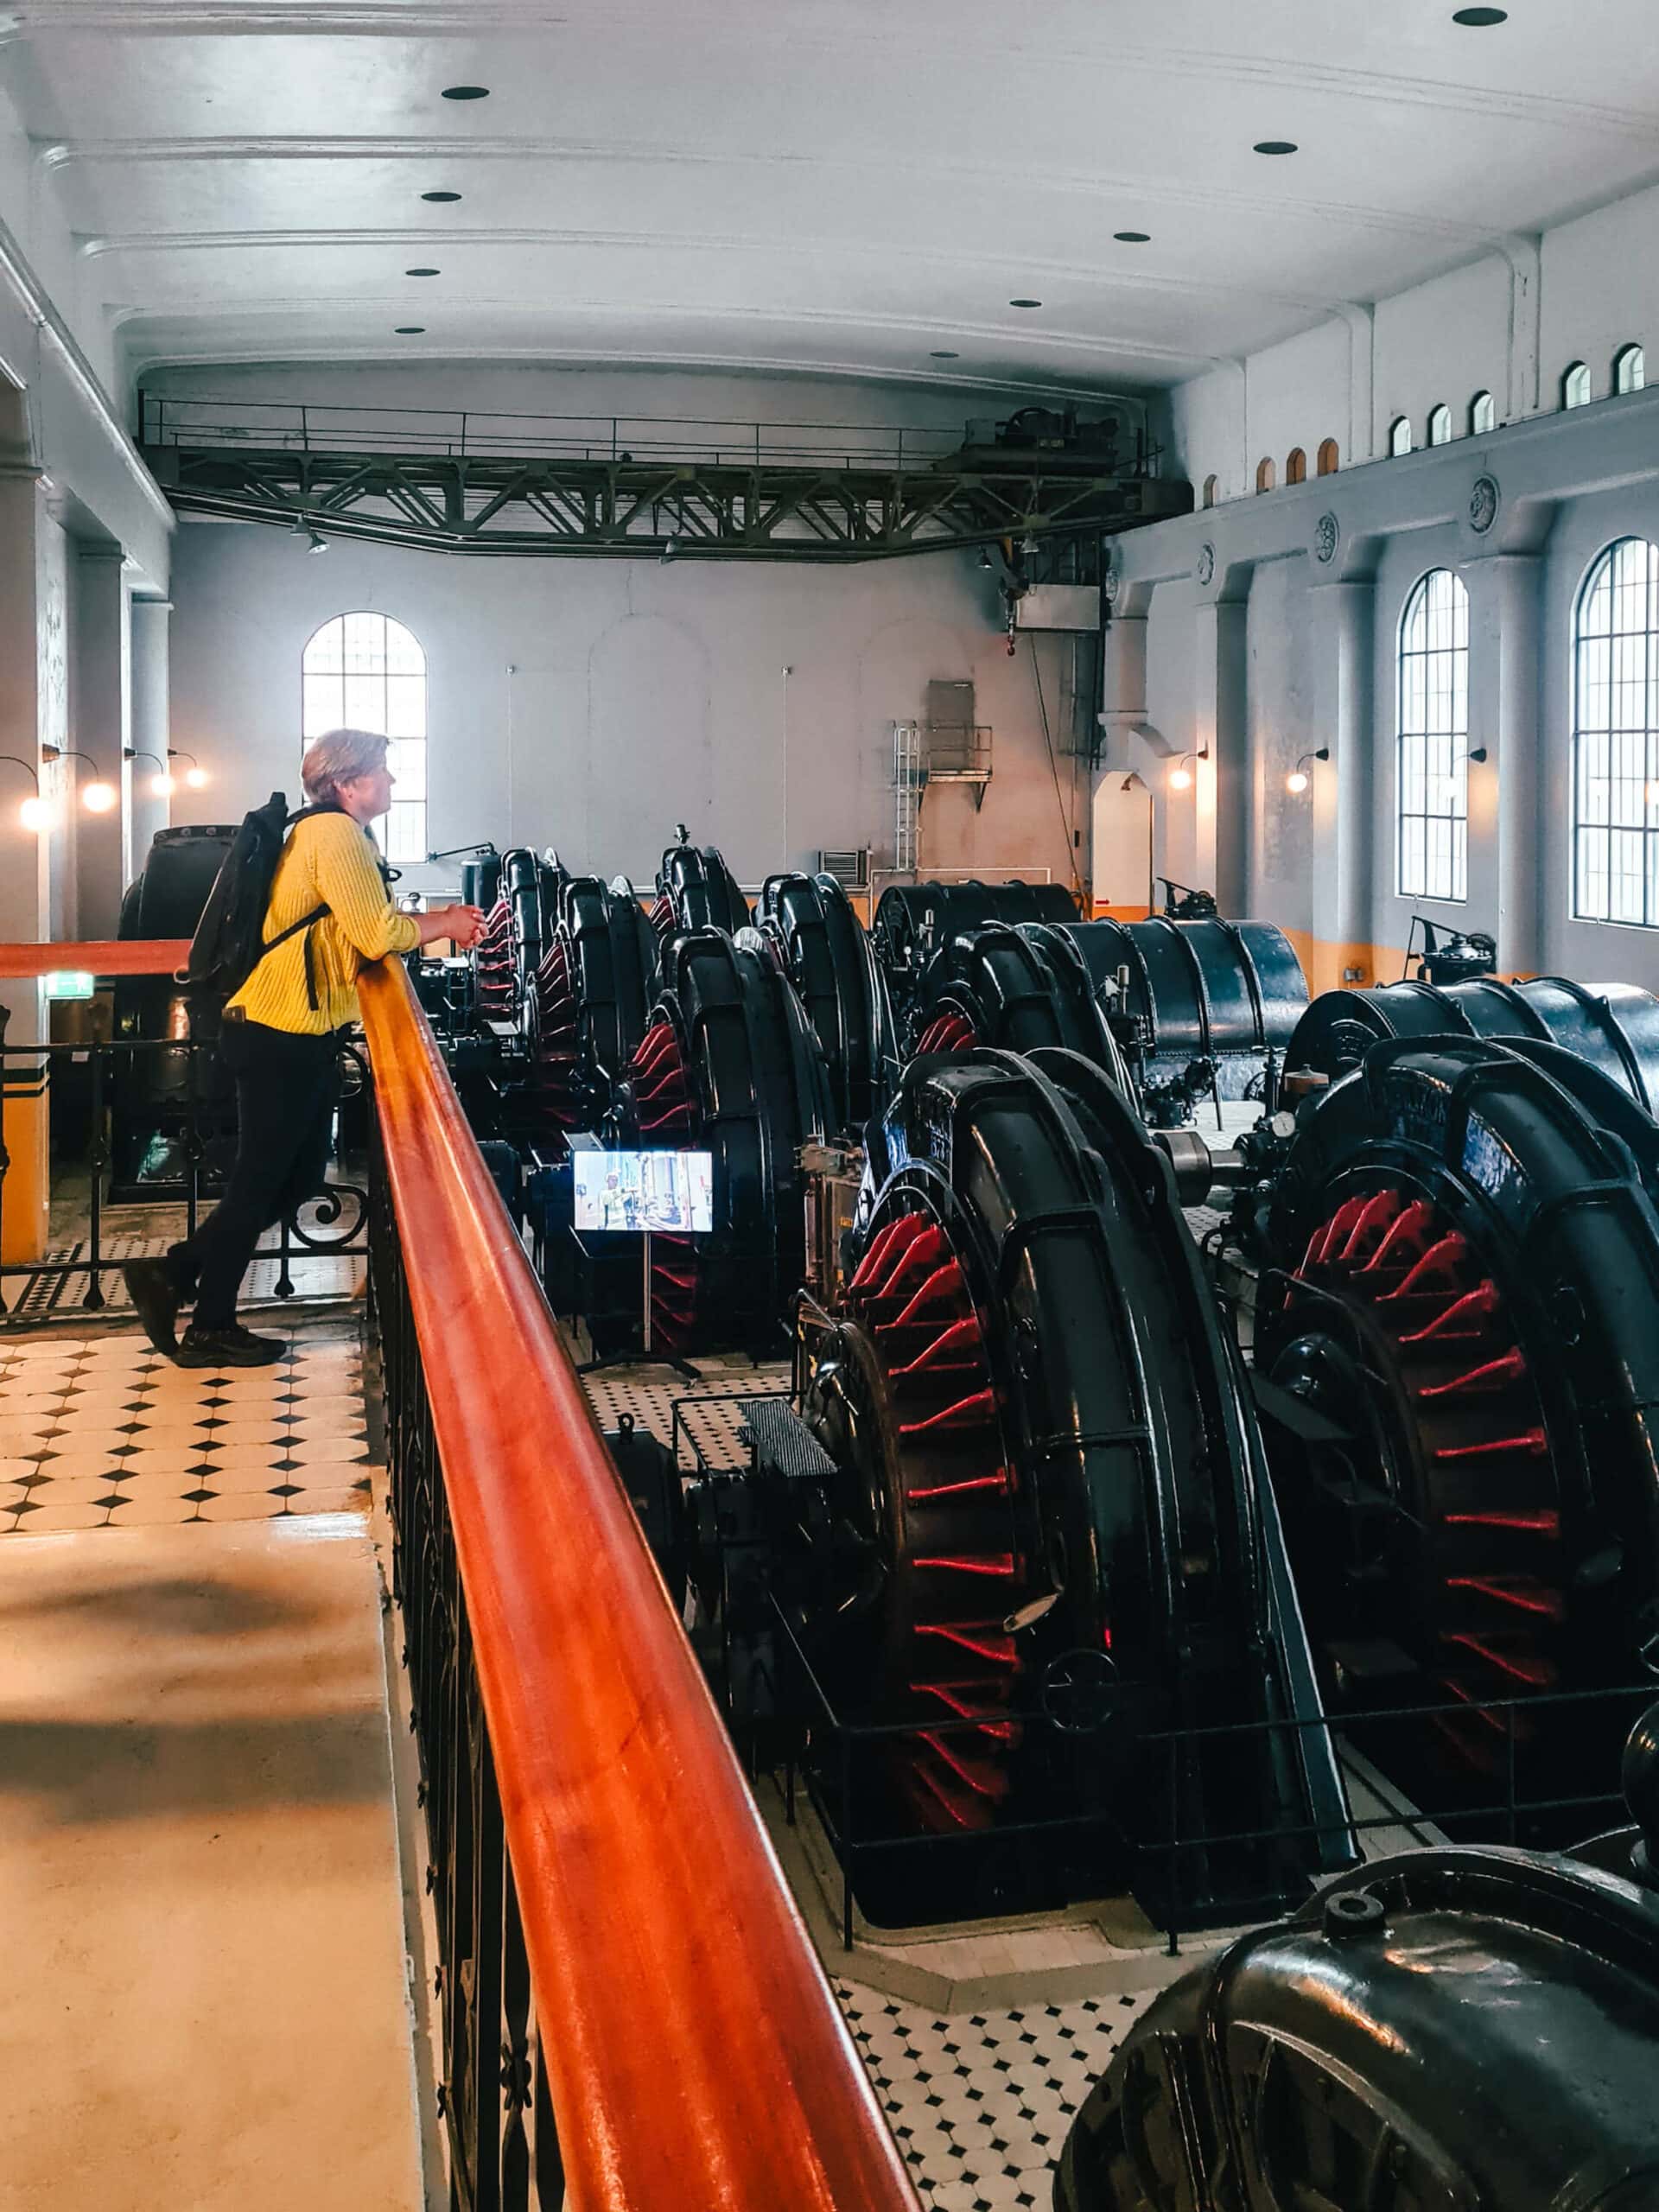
(461, 924)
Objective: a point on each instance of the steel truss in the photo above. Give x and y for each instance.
(631, 510)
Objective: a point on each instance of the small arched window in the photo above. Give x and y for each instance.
(1629, 369)
(1210, 490)
(1295, 465)
(1439, 426)
(1616, 738)
(1575, 386)
(1400, 435)
(1432, 753)
(1330, 457)
(365, 671)
(1265, 476)
(1482, 415)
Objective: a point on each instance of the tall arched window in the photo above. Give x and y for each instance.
(1616, 738)
(1330, 457)
(1629, 369)
(1400, 435)
(1210, 490)
(1439, 426)
(1575, 386)
(1295, 465)
(1482, 415)
(365, 671)
(1265, 475)
(1432, 791)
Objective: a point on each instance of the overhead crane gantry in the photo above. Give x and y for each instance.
(849, 508)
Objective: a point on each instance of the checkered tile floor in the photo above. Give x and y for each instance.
(981, 2106)
(101, 1431)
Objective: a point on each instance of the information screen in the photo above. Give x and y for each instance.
(673, 1192)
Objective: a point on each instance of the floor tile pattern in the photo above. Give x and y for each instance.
(981, 2104)
(100, 1431)
(42, 1297)
(651, 1392)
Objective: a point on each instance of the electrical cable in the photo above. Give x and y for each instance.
(1054, 767)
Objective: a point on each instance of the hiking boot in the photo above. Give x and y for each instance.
(156, 1300)
(232, 1347)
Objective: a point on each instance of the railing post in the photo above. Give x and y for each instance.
(100, 1161)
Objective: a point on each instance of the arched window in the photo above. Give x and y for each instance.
(1432, 791)
(1629, 369)
(1265, 478)
(1295, 465)
(365, 671)
(1330, 457)
(1482, 415)
(1210, 490)
(1400, 435)
(1575, 386)
(1616, 738)
(1439, 426)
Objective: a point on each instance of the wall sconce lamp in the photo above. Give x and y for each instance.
(1180, 778)
(97, 796)
(1479, 754)
(195, 777)
(160, 784)
(1296, 781)
(34, 813)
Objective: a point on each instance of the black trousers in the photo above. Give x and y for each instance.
(287, 1088)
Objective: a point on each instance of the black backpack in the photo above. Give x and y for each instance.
(229, 939)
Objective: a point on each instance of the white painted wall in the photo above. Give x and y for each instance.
(592, 704)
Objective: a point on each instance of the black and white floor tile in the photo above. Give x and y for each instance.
(980, 2104)
(649, 1392)
(100, 1431)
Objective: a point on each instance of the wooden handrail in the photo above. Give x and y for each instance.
(162, 955)
(695, 2054)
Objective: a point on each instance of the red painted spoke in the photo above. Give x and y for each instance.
(1336, 1229)
(978, 1637)
(1452, 1324)
(885, 1246)
(1543, 1522)
(1001, 1485)
(1404, 1239)
(1378, 1210)
(1002, 1564)
(1520, 1666)
(1491, 1375)
(1439, 1264)
(1532, 1441)
(984, 1781)
(961, 1337)
(975, 1412)
(1525, 1597)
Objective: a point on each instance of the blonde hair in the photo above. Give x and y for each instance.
(337, 757)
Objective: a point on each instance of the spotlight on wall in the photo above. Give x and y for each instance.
(984, 556)
(160, 784)
(1478, 754)
(318, 544)
(34, 813)
(671, 550)
(1296, 781)
(195, 777)
(1181, 776)
(97, 797)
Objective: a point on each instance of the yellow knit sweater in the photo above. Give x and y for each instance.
(328, 860)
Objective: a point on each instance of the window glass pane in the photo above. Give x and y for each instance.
(366, 701)
(1432, 739)
(1617, 739)
(323, 654)
(324, 705)
(405, 833)
(407, 762)
(405, 706)
(363, 670)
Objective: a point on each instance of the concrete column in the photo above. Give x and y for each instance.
(23, 1129)
(1341, 629)
(150, 725)
(1221, 721)
(1509, 590)
(100, 729)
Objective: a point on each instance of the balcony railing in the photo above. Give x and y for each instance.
(598, 1866)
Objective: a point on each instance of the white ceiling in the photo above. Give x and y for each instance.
(839, 185)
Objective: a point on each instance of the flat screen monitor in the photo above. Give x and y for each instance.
(671, 1192)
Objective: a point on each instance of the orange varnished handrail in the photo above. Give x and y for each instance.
(162, 956)
(695, 2054)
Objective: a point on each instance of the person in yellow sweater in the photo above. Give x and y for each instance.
(281, 1042)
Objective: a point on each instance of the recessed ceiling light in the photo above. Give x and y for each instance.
(409, 330)
(422, 272)
(944, 353)
(1480, 19)
(1133, 237)
(440, 196)
(466, 92)
(1276, 146)
(1025, 303)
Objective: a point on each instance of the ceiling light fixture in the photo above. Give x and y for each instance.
(422, 272)
(1276, 146)
(465, 92)
(944, 353)
(1025, 303)
(441, 198)
(1133, 237)
(408, 330)
(984, 556)
(1480, 19)
(318, 544)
